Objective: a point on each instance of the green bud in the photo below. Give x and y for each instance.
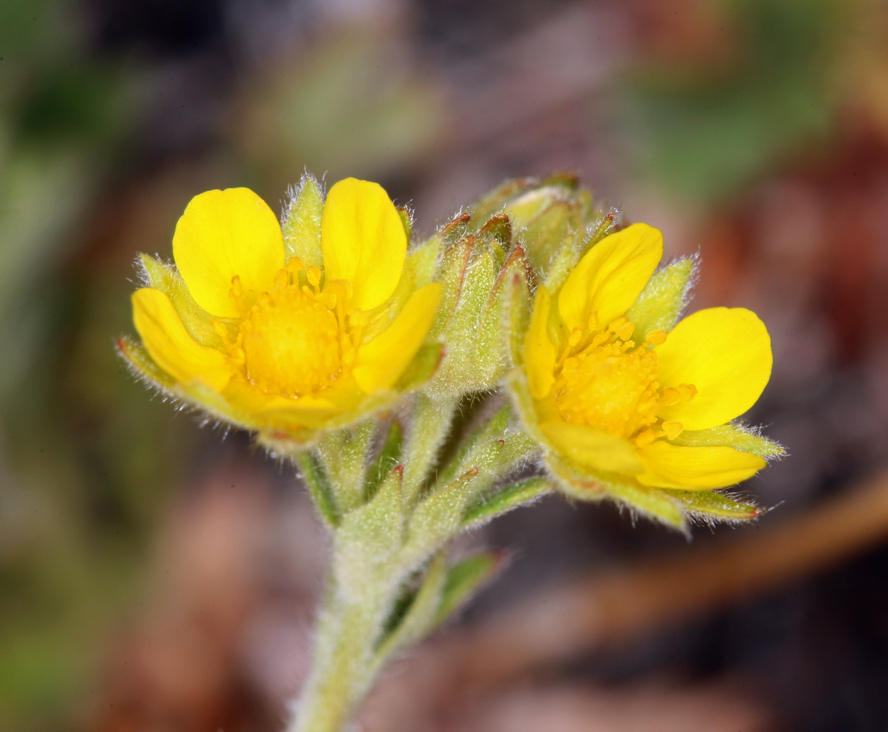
(504, 500)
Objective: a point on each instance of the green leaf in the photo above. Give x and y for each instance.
(464, 579)
(714, 505)
(505, 499)
(473, 445)
(302, 223)
(740, 438)
(661, 301)
(318, 488)
(417, 616)
(389, 456)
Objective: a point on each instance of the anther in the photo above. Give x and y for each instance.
(624, 333)
(656, 337)
(672, 429)
(646, 437)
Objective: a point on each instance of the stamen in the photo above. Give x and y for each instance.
(672, 429)
(646, 437)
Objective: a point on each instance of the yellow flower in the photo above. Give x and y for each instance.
(642, 414)
(269, 341)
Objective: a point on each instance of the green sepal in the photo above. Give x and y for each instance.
(419, 269)
(143, 366)
(464, 580)
(421, 262)
(714, 506)
(661, 301)
(302, 223)
(467, 367)
(197, 321)
(575, 482)
(563, 262)
(504, 500)
(604, 225)
(282, 442)
(422, 368)
(517, 302)
(318, 488)
(496, 235)
(416, 616)
(451, 275)
(495, 200)
(545, 216)
(406, 221)
(744, 439)
(389, 456)
(454, 231)
(507, 311)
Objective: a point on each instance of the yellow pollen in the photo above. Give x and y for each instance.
(607, 382)
(293, 341)
(608, 386)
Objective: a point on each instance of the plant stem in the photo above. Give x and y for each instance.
(347, 632)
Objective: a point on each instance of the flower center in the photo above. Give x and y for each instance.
(296, 340)
(608, 383)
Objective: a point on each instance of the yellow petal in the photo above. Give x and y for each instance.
(671, 466)
(171, 346)
(726, 354)
(363, 240)
(381, 361)
(593, 449)
(223, 234)
(610, 277)
(539, 351)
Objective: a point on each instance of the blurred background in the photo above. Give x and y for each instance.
(155, 576)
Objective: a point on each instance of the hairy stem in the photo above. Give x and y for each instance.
(348, 630)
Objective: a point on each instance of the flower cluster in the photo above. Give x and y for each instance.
(298, 329)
